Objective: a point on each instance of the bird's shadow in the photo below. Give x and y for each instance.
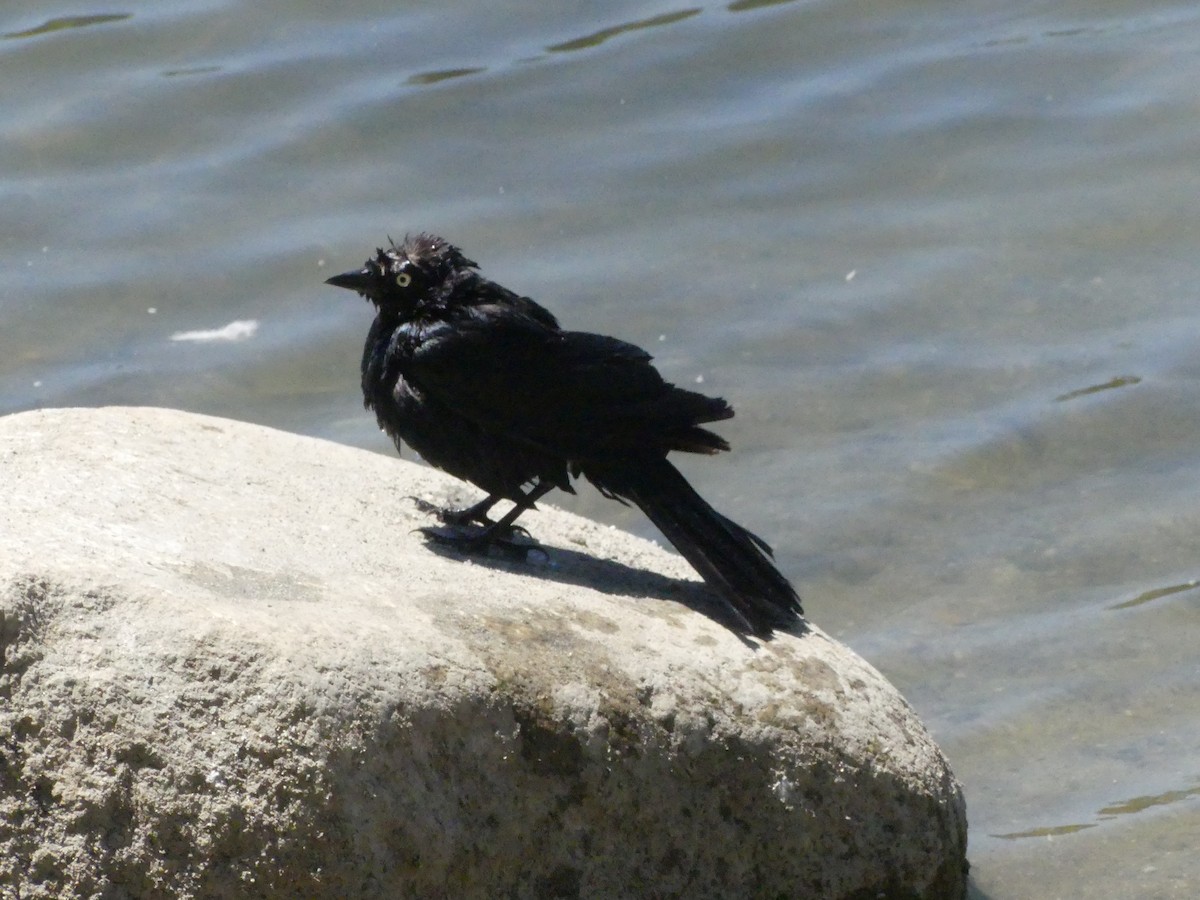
(608, 576)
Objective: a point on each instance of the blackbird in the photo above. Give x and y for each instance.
(484, 384)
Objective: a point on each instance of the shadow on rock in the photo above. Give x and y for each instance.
(524, 555)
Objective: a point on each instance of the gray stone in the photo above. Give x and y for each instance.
(230, 669)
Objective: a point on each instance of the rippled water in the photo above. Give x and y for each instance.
(942, 258)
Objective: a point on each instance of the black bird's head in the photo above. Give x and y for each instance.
(406, 275)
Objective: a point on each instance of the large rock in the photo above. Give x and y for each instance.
(230, 669)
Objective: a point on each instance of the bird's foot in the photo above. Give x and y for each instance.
(512, 542)
(476, 514)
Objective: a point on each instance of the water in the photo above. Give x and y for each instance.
(941, 258)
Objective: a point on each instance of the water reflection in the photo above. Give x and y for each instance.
(1156, 593)
(1126, 807)
(442, 75)
(596, 38)
(66, 22)
(1118, 382)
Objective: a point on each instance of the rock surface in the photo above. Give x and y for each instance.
(228, 668)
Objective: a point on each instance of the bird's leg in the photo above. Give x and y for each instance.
(504, 526)
(477, 513)
(495, 534)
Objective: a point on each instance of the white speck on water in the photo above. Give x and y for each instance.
(238, 330)
(850, 275)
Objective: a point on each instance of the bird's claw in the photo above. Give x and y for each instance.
(450, 516)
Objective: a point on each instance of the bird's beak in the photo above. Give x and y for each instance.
(358, 280)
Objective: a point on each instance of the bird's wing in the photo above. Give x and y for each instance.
(571, 393)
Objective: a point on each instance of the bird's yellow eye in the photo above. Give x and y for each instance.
(403, 279)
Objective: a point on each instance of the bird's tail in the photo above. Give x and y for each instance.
(736, 562)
